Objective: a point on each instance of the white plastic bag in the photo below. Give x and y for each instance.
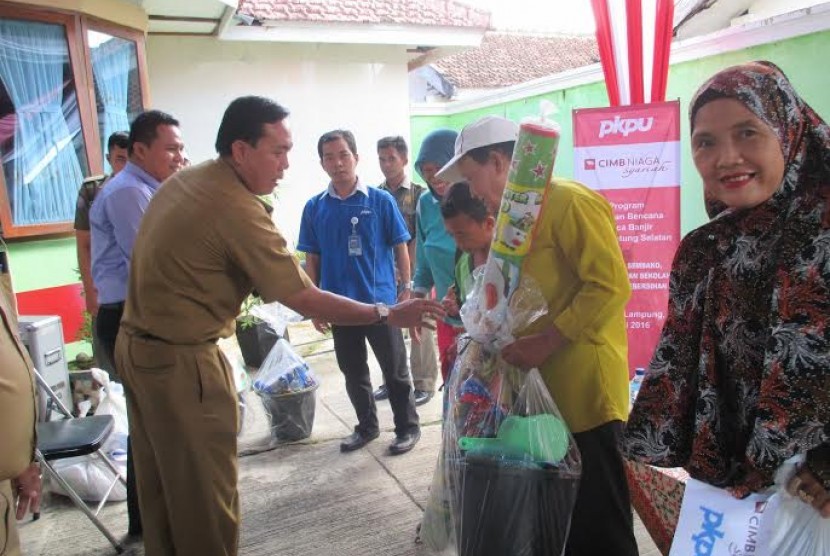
(88, 476)
(792, 526)
(714, 523)
(771, 523)
(276, 315)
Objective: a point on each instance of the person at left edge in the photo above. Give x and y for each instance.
(20, 485)
(156, 152)
(204, 244)
(353, 236)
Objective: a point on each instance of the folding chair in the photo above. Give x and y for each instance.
(71, 437)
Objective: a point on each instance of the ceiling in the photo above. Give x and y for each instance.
(200, 17)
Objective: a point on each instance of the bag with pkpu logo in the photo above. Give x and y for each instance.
(714, 523)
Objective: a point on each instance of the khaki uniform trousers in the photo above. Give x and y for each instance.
(9, 542)
(423, 361)
(184, 417)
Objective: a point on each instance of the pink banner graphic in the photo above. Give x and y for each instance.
(631, 155)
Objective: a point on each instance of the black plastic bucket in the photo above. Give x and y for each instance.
(292, 414)
(509, 508)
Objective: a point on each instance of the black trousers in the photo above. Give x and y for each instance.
(602, 523)
(107, 325)
(390, 351)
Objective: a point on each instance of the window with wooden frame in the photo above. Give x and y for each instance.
(67, 81)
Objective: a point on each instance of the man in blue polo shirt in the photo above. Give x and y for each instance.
(353, 237)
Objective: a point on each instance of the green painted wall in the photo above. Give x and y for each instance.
(801, 59)
(43, 263)
(49, 263)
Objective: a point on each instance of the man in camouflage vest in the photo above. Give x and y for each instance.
(117, 158)
(393, 156)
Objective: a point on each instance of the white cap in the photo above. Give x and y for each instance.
(489, 130)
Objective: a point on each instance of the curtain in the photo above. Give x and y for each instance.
(112, 62)
(46, 172)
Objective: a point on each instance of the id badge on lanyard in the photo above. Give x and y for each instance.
(355, 244)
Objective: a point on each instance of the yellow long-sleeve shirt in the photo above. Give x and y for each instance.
(576, 259)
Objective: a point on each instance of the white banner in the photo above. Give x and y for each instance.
(628, 166)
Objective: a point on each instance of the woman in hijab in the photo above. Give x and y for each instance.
(435, 249)
(740, 380)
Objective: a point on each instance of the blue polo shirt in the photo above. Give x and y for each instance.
(325, 229)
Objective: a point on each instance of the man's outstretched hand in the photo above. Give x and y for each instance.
(415, 313)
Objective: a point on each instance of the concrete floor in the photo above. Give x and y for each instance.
(303, 499)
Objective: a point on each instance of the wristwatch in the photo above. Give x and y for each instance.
(383, 312)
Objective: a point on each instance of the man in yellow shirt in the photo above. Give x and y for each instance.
(580, 346)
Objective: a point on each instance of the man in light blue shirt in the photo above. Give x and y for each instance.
(156, 152)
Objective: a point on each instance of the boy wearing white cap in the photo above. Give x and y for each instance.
(580, 346)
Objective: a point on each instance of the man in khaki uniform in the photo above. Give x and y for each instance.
(19, 475)
(206, 241)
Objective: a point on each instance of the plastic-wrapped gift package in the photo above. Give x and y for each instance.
(509, 469)
(287, 388)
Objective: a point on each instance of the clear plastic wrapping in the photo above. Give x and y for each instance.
(287, 388)
(508, 473)
(500, 305)
(509, 469)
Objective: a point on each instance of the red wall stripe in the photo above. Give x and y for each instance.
(64, 301)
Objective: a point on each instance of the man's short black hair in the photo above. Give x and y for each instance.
(396, 142)
(481, 154)
(119, 139)
(334, 135)
(144, 128)
(244, 120)
(460, 200)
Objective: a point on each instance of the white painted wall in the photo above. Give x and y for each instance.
(360, 88)
(768, 8)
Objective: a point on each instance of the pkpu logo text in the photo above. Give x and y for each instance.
(710, 532)
(624, 126)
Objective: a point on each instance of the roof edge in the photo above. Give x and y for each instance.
(777, 28)
(354, 33)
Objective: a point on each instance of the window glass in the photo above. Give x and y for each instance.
(117, 86)
(41, 144)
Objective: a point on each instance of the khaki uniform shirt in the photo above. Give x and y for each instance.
(204, 244)
(406, 197)
(17, 389)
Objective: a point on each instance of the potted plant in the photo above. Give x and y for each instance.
(254, 336)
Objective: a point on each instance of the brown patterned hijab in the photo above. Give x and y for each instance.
(740, 380)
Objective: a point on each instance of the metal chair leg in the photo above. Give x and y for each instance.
(79, 503)
(112, 467)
